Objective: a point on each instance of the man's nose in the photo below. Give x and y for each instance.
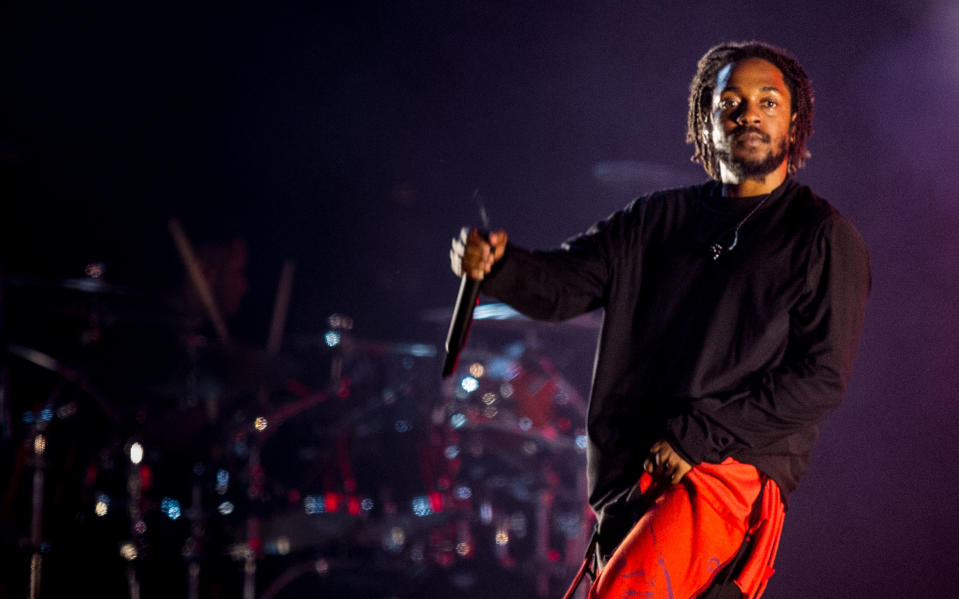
(748, 114)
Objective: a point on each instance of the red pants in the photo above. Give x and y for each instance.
(692, 531)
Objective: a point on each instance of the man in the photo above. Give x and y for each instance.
(733, 311)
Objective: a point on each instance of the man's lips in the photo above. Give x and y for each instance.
(750, 136)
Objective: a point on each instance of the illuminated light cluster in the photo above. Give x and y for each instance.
(222, 481)
(581, 442)
(39, 444)
(502, 537)
(463, 492)
(451, 452)
(225, 508)
(353, 506)
(333, 502)
(46, 414)
(322, 567)
(486, 512)
(278, 546)
(28, 417)
(421, 506)
(260, 423)
(340, 321)
(136, 453)
(490, 412)
(128, 551)
(530, 448)
(506, 390)
(102, 506)
(314, 504)
(95, 270)
(525, 423)
(489, 398)
(170, 508)
(476, 370)
(140, 527)
(469, 384)
(394, 540)
(366, 504)
(332, 338)
(458, 420)
(464, 549)
(403, 426)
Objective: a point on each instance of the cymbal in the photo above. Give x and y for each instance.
(85, 285)
(501, 314)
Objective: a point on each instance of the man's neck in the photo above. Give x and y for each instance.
(733, 187)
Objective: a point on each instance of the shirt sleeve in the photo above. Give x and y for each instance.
(825, 326)
(563, 283)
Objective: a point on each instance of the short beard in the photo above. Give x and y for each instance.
(752, 169)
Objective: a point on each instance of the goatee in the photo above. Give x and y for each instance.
(755, 170)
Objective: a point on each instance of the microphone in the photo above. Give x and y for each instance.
(466, 302)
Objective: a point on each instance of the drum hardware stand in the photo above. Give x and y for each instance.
(36, 517)
(192, 546)
(248, 552)
(252, 522)
(41, 423)
(544, 507)
(336, 337)
(131, 550)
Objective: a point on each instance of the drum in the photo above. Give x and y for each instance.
(515, 439)
(359, 467)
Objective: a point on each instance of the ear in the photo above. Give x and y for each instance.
(792, 128)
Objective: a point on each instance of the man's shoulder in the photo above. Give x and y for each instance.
(823, 219)
(672, 197)
(809, 206)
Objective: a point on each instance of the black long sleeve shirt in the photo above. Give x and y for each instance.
(739, 357)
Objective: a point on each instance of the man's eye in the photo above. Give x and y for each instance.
(727, 103)
(770, 103)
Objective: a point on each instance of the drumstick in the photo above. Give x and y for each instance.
(196, 277)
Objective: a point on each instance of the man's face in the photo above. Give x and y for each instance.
(751, 120)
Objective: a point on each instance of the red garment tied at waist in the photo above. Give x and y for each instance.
(692, 531)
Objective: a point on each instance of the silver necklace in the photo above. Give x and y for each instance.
(717, 248)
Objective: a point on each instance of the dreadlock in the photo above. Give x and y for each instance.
(701, 99)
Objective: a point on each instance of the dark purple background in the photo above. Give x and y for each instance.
(351, 140)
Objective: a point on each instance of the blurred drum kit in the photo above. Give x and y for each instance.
(144, 457)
